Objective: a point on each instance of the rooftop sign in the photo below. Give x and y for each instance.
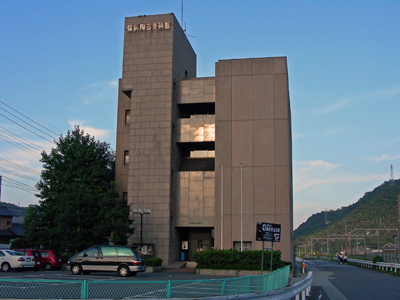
(148, 26)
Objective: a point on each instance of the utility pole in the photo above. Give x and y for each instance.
(345, 232)
(327, 244)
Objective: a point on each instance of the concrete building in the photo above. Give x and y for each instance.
(209, 157)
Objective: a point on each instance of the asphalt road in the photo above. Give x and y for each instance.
(332, 281)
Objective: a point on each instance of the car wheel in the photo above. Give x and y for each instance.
(124, 271)
(133, 273)
(5, 267)
(76, 269)
(48, 267)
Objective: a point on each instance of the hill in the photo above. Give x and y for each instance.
(18, 210)
(376, 211)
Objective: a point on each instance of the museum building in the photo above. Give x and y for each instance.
(201, 160)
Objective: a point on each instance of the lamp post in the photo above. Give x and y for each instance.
(141, 212)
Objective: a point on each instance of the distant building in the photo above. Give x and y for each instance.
(210, 157)
(8, 229)
(389, 248)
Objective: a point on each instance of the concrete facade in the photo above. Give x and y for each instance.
(178, 136)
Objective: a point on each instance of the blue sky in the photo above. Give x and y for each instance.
(61, 60)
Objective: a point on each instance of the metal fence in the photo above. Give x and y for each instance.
(387, 257)
(85, 289)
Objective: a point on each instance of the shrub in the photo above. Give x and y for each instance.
(153, 261)
(378, 258)
(66, 256)
(20, 243)
(236, 260)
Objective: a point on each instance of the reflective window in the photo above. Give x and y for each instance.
(246, 246)
(92, 251)
(45, 253)
(126, 157)
(122, 251)
(127, 116)
(109, 251)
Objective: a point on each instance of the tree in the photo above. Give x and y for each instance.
(79, 205)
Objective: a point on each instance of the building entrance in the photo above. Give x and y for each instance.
(199, 241)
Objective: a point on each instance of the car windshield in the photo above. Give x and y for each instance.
(14, 253)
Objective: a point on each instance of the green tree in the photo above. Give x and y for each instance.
(78, 205)
(32, 221)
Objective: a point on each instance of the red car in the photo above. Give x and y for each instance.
(37, 257)
(51, 260)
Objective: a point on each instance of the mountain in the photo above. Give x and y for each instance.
(376, 210)
(19, 211)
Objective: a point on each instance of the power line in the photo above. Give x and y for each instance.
(7, 181)
(10, 172)
(18, 167)
(21, 143)
(18, 146)
(26, 116)
(17, 137)
(26, 128)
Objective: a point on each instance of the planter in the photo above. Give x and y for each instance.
(153, 269)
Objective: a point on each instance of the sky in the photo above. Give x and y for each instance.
(60, 62)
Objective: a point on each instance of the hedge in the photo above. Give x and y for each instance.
(236, 260)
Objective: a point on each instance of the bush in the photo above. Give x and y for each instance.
(153, 261)
(20, 243)
(66, 256)
(235, 260)
(378, 258)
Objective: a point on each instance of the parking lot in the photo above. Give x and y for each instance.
(64, 274)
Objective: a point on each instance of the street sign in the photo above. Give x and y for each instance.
(268, 232)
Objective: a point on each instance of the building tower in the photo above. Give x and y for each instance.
(178, 136)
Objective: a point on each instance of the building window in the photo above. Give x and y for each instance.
(246, 246)
(127, 116)
(125, 195)
(8, 222)
(126, 157)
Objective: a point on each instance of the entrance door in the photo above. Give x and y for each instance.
(198, 242)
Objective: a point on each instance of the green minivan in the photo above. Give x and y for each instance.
(125, 260)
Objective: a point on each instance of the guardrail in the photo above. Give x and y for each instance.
(379, 265)
(190, 289)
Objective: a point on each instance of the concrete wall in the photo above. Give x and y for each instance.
(253, 143)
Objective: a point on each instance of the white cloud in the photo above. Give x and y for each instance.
(381, 158)
(314, 166)
(311, 174)
(98, 92)
(95, 132)
(298, 135)
(332, 132)
(349, 100)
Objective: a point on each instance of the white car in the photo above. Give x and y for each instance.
(10, 259)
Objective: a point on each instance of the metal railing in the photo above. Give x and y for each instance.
(85, 289)
(387, 266)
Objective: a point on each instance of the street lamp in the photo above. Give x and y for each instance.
(141, 212)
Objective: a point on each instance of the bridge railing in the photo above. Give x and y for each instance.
(378, 265)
